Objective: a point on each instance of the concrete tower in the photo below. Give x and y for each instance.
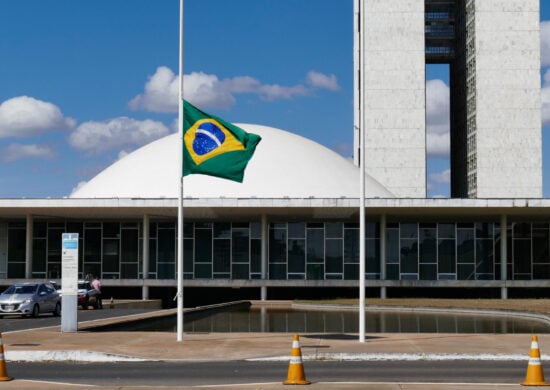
(493, 51)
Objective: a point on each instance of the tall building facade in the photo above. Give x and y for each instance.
(492, 48)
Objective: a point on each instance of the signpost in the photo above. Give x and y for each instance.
(69, 282)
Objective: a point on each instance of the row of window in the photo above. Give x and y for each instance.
(295, 250)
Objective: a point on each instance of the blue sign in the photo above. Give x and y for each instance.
(70, 244)
(69, 240)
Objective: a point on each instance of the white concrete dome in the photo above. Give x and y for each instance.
(284, 165)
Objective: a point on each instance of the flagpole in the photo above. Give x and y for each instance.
(180, 195)
(362, 176)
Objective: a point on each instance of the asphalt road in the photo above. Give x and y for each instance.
(13, 323)
(240, 372)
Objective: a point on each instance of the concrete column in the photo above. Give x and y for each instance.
(144, 292)
(145, 257)
(265, 242)
(28, 247)
(383, 254)
(503, 256)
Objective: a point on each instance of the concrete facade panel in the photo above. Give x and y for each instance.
(507, 106)
(490, 158)
(407, 99)
(518, 177)
(506, 42)
(500, 138)
(505, 20)
(503, 118)
(508, 78)
(378, 41)
(394, 119)
(507, 5)
(395, 102)
(505, 98)
(386, 60)
(516, 60)
(403, 138)
(396, 78)
(393, 6)
(522, 179)
(409, 185)
(393, 159)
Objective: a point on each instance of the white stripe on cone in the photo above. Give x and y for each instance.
(295, 360)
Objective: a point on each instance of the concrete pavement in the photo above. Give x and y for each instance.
(50, 342)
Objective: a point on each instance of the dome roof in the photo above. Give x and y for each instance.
(284, 165)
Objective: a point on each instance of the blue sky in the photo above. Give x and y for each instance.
(82, 83)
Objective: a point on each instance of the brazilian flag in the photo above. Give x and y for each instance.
(214, 147)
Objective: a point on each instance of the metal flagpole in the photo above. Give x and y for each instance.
(362, 176)
(180, 195)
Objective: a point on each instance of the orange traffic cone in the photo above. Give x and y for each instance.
(534, 376)
(3, 372)
(296, 375)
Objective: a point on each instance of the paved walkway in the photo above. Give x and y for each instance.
(236, 346)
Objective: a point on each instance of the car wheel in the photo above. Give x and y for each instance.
(85, 304)
(57, 310)
(96, 304)
(35, 311)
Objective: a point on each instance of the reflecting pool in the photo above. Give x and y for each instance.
(261, 319)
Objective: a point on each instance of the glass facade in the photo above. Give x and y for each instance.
(296, 250)
(442, 251)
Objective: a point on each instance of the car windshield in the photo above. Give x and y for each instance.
(26, 289)
(84, 286)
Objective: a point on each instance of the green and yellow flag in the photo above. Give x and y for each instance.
(214, 147)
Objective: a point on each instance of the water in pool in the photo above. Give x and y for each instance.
(261, 319)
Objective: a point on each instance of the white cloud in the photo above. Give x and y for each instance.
(443, 177)
(24, 116)
(247, 84)
(16, 151)
(273, 92)
(545, 61)
(438, 145)
(545, 99)
(207, 90)
(437, 106)
(161, 92)
(119, 133)
(323, 81)
(545, 43)
(437, 118)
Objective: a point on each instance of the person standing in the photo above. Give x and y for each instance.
(96, 284)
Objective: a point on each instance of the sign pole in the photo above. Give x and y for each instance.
(69, 282)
